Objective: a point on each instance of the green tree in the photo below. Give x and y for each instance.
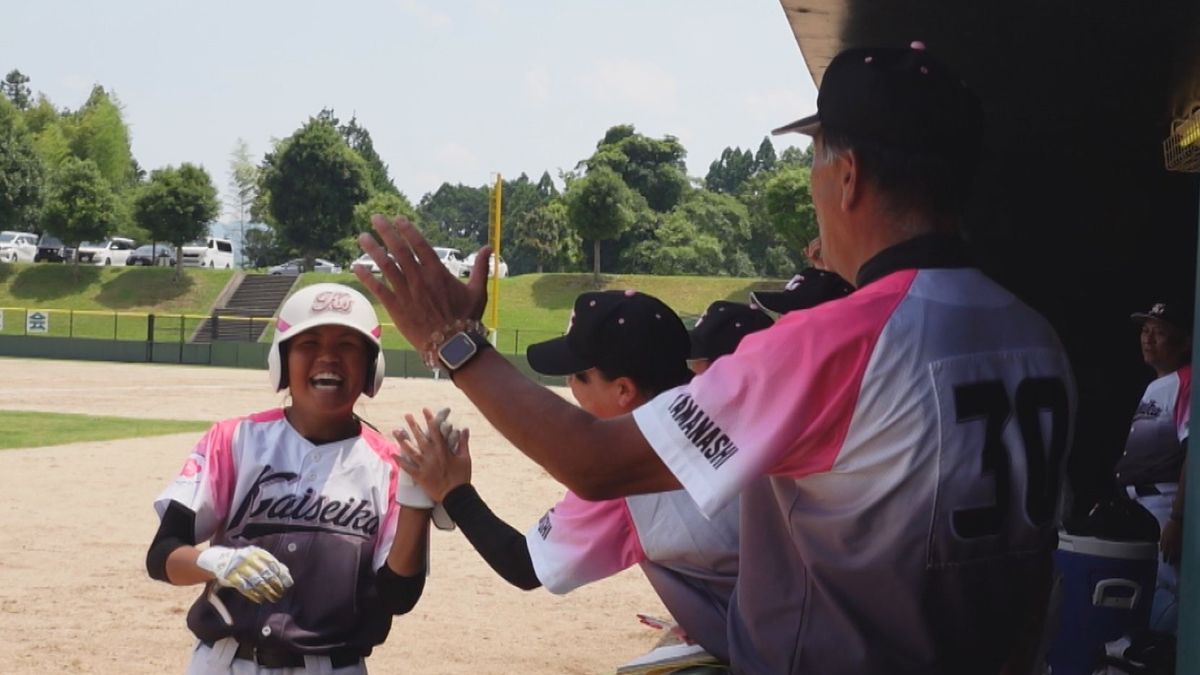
(764, 159)
(176, 206)
(243, 188)
(727, 221)
(359, 140)
(795, 157)
(313, 182)
(41, 115)
(98, 132)
(679, 247)
(80, 205)
(727, 173)
(457, 213)
(262, 247)
(600, 206)
(22, 175)
(654, 168)
(542, 239)
(789, 207)
(16, 89)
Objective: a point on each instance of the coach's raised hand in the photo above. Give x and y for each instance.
(421, 295)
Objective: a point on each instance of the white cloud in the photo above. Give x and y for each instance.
(457, 158)
(537, 84)
(431, 17)
(782, 103)
(490, 7)
(640, 84)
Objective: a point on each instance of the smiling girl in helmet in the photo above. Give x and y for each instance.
(309, 554)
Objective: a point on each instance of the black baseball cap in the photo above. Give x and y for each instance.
(722, 326)
(900, 98)
(620, 331)
(1177, 314)
(809, 288)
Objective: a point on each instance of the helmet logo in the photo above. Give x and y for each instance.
(333, 301)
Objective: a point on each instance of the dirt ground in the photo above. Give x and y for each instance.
(75, 521)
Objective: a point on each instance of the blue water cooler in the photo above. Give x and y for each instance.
(1107, 589)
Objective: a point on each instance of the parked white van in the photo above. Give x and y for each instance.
(212, 253)
(113, 251)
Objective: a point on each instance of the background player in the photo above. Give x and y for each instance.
(621, 349)
(1151, 469)
(720, 329)
(309, 554)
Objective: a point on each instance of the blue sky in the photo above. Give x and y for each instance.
(450, 90)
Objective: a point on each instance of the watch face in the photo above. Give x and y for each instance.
(457, 350)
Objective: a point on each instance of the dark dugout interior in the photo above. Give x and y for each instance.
(1074, 209)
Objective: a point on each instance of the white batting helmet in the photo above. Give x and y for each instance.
(322, 305)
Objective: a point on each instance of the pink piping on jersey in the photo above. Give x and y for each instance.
(386, 452)
(822, 354)
(1183, 405)
(219, 470)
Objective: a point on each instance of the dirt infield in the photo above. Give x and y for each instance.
(75, 521)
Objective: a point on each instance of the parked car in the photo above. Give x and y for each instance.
(112, 251)
(17, 246)
(452, 258)
(152, 255)
(212, 253)
(469, 263)
(365, 260)
(51, 249)
(295, 265)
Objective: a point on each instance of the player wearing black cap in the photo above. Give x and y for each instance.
(720, 330)
(621, 349)
(1151, 469)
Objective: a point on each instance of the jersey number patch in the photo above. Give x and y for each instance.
(989, 401)
(1003, 441)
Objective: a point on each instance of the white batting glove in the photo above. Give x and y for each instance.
(408, 493)
(249, 570)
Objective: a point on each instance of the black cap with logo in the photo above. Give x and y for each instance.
(900, 98)
(723, 325)
(1177, 314)
(809, 288)
(617, 331)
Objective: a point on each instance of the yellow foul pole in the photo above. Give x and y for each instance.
(494, 237)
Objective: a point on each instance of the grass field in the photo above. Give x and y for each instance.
(35, 430)
(113, 302)
(107, 302)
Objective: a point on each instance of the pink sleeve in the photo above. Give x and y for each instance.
(1183, 402)
(206, 482)
(780, 405)
(385, 451)
(578, 542)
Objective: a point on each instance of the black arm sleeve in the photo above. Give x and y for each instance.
(177, 528)
(501, 546)
(399, 594)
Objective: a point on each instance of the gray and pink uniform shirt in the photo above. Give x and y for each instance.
(1154, 451)
(690, 559)
(326, 511)
(898, 454)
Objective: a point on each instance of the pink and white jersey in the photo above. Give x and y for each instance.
(1154, 451)
(578, 542)
(326, 511)
(912, 436)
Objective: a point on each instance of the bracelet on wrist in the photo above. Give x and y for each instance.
(439, 337)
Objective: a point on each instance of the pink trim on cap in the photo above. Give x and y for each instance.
(918, 45)
(282, 326)
(377, 331)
